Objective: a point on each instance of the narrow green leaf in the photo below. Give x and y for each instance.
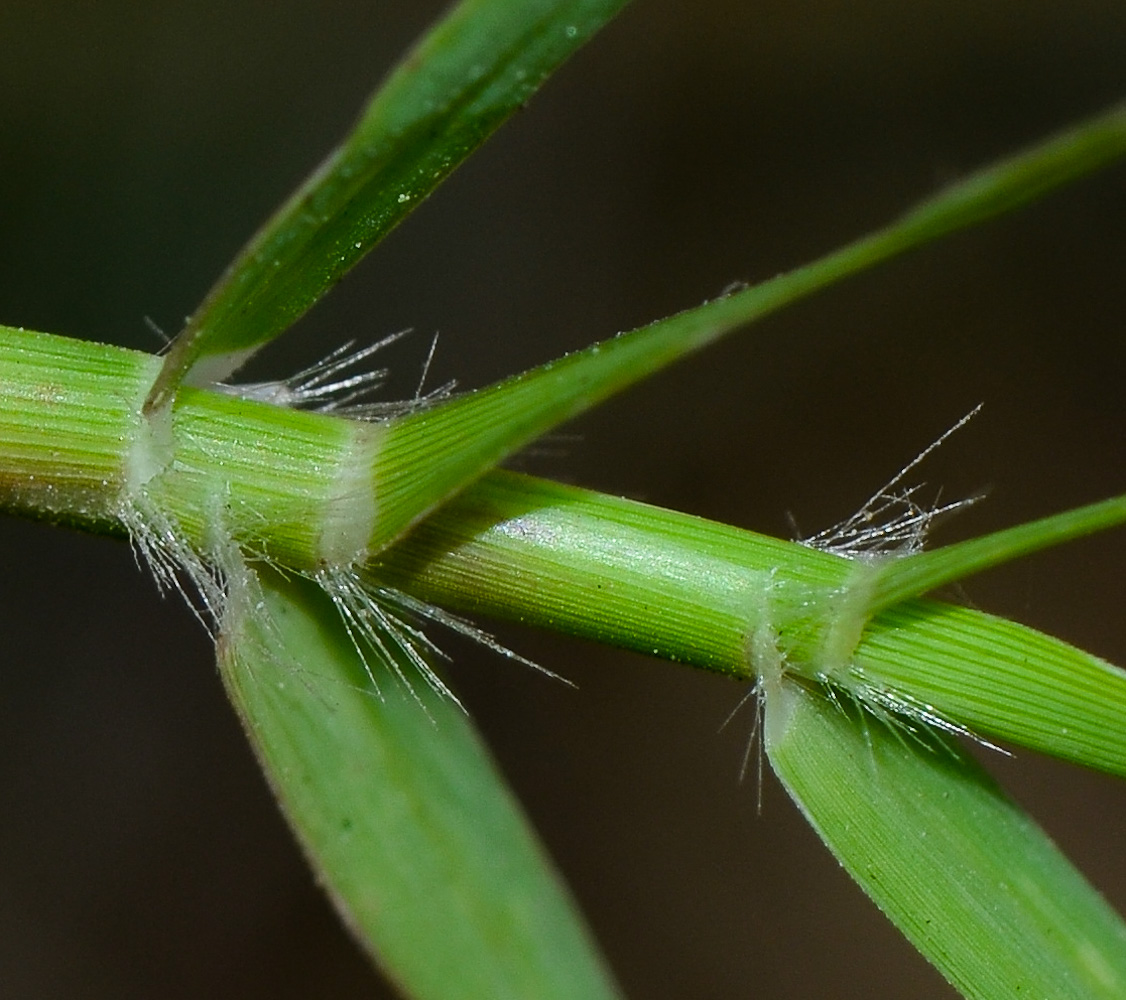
(996, 678)
(474, 69)
(402, 813)
(972, 882)
(429, 455)
(915, 575)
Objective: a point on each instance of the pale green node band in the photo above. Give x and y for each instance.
(269, 478)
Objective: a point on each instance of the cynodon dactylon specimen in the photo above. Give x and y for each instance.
(331, 529)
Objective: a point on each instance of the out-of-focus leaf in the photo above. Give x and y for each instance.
(401, 811)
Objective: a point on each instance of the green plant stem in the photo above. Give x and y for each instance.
(695, 592)
(562, 558)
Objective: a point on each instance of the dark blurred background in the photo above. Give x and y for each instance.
(692, 145)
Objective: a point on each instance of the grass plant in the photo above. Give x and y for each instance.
(318, 548)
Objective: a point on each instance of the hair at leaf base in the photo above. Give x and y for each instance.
(891, 524)
(334, 385)
(218, 580)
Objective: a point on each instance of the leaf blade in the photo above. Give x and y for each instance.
(976, 886)
(422, 847)
(999, 679)
(432, 454)
(481, 63)
(914, 575)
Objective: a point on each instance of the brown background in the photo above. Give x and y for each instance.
(692, 145)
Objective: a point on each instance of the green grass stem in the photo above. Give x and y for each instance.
(693, 591)
(514, 547)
